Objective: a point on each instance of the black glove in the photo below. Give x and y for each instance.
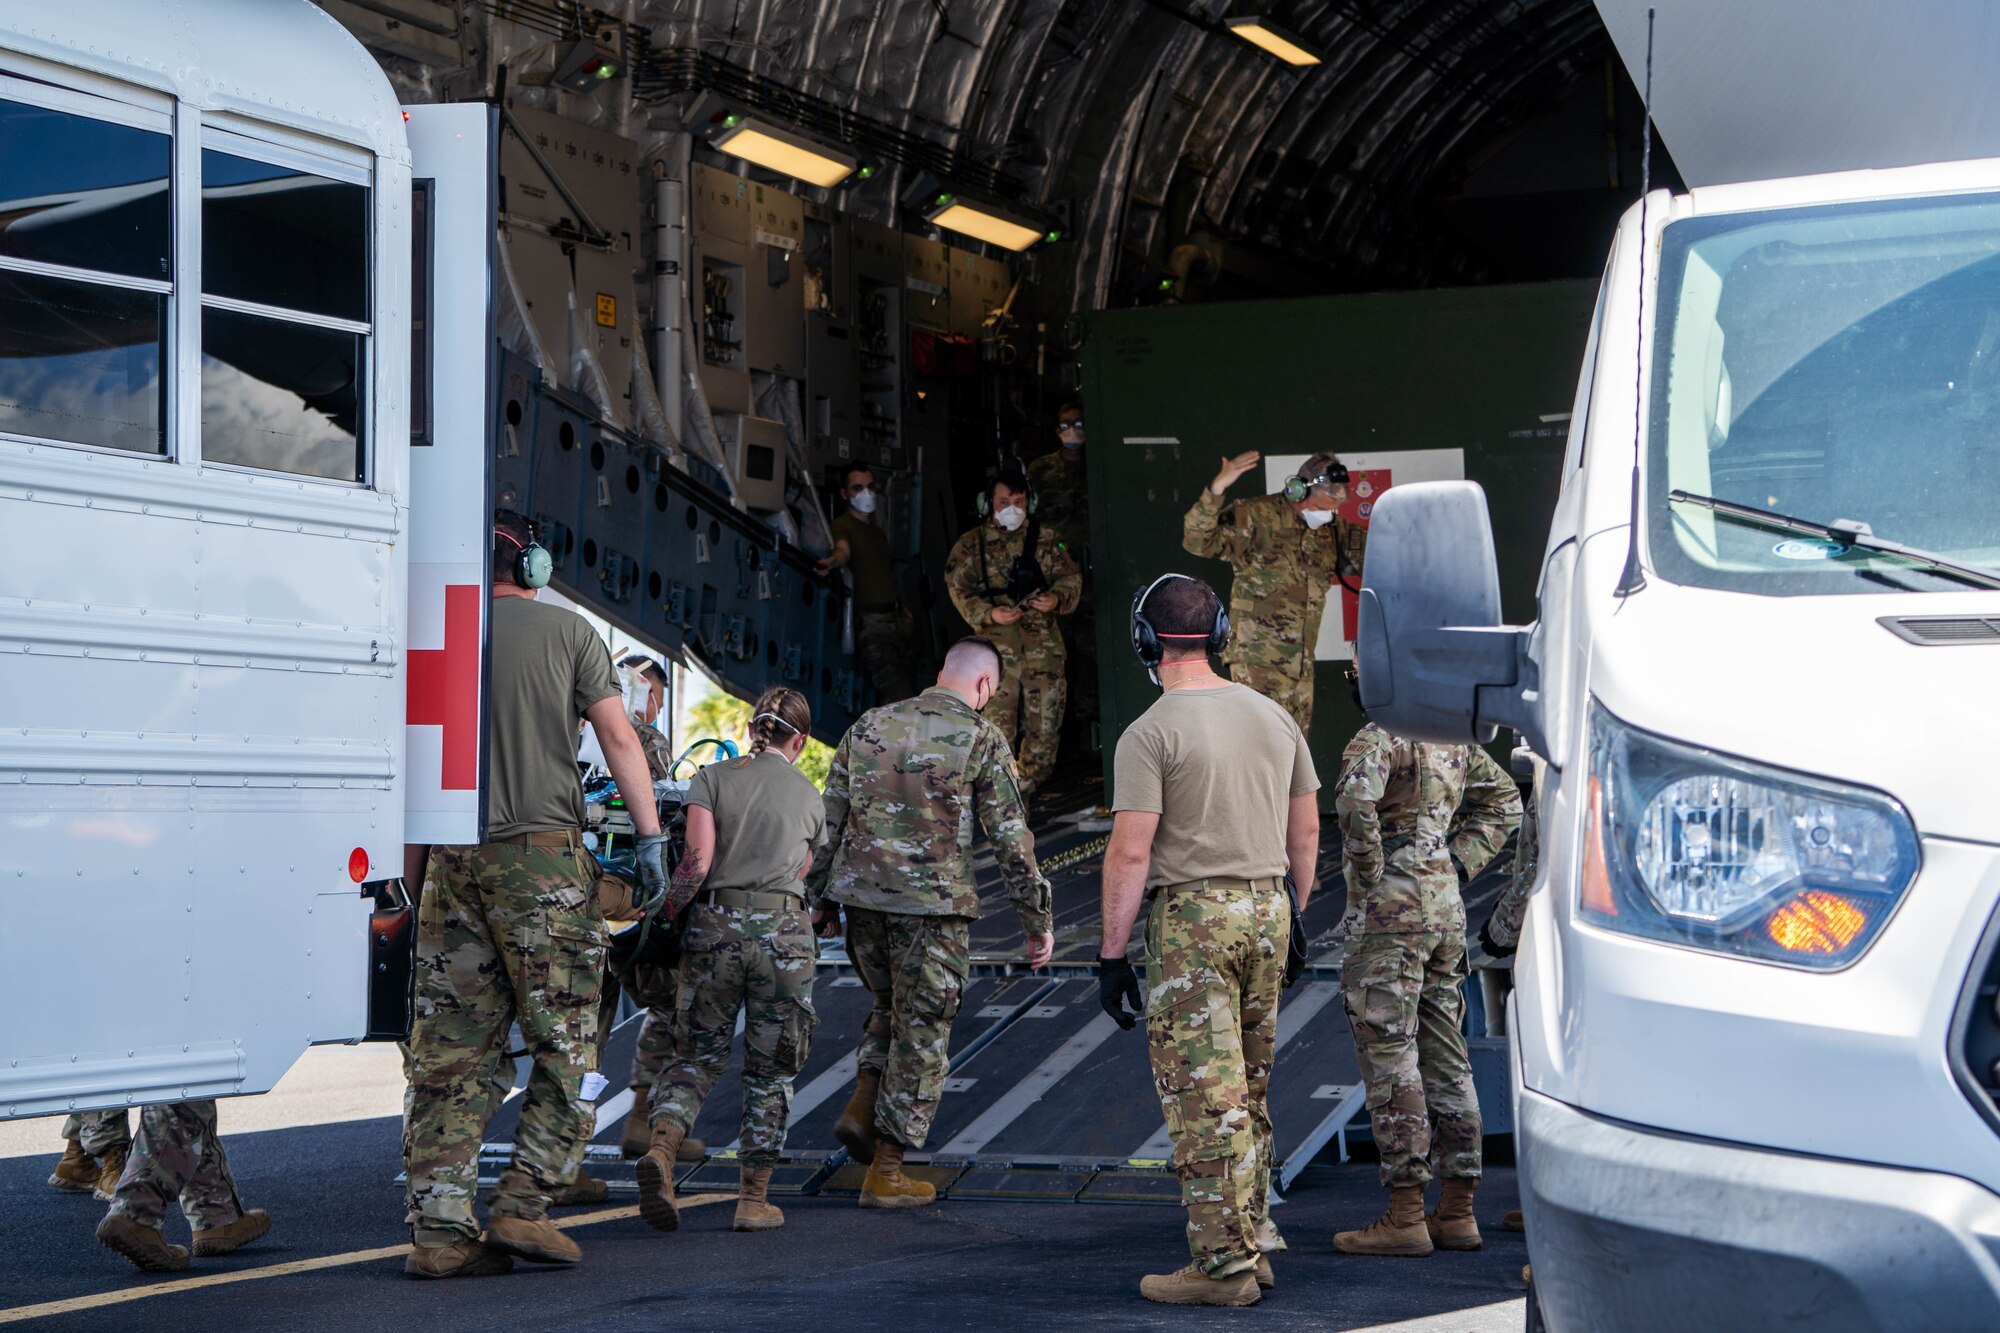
(1493, 948)
(1117, 983)
(651, 852)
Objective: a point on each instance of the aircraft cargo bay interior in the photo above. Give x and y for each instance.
(953, 663)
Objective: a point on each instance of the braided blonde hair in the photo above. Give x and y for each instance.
(780, 714)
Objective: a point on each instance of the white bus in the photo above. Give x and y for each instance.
(242, 618)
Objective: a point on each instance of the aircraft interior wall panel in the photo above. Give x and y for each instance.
(611, 541)
(774, 339)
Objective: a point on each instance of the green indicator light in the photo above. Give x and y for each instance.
(865, 172)
(1166, 284)
(1053, 236)
(732, 121)
(944, 198)
(607, 70)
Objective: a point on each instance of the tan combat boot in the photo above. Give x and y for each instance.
(77, 1172)
(1400, 1231)
(856, 1127)
(585, 1189)
(109, 1168)
(1513, 1220)
(539, 1241)
(655, 1174)
(1266, 1279)
(467, 1258)
(1452, 1226)
(226, 1240)
(754, 1210)
(1191, 1286)
(885, 1185)
(143, 1245)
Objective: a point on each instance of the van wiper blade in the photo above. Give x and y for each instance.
(1846, 532)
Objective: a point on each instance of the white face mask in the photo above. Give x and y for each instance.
(1012, 517)
(863, 501)
(1316, 518)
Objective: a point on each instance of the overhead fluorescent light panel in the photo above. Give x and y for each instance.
(781, 149)
(984, 221)
(1267, 36)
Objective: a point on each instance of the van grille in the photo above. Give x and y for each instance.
(1975, 1030)
(1933, 631)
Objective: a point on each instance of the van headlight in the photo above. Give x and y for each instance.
(1702, 849)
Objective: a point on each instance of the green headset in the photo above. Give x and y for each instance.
(1298, 488)
(532, 563)
(984, 504)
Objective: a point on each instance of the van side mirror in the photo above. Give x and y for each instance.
(1436, 663)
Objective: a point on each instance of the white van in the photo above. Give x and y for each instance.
(1754, 1019)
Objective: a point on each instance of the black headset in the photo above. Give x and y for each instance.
(532, 564)
(1298, 488)
(1146, 639)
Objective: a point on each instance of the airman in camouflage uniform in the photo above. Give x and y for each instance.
(1029, 635)
(752, 825)
(1215, 804)
(177, 1153)
(96, 1144)
(906, 786)
(1283, 569)
(1417, 822)
(510, 932)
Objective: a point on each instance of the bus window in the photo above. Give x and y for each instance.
(284, 322)
(84, 278)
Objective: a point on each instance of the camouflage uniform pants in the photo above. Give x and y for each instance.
(506, 934)
(885, 642)
(1215, 964)
(100, 1132)
(1407, 1011)
(653, 1049)
(1028, 705)
(177, 1152)
(1281, 684)
(757, 960)
(915, 968)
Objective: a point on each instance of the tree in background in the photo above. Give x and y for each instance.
(726, 717)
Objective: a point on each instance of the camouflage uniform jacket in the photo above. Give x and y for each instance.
(1406, 810)
(1062, 497)
(904, 791)
(1282, 568)
(967, 578)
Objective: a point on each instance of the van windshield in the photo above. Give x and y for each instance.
(1830, 363)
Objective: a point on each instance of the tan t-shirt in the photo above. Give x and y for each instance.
(768, 815)
(548, 667)
(1219, 766)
